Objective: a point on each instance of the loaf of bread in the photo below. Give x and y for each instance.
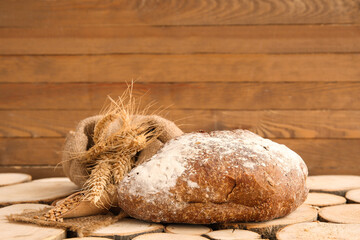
(221, 176)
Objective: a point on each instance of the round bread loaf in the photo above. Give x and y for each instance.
(221, 176)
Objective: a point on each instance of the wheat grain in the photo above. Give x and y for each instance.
(55, 214)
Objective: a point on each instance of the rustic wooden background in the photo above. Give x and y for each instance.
(287, 70)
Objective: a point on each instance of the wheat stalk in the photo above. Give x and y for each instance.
(112, 155)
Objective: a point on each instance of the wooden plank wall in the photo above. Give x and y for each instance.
(287, 70)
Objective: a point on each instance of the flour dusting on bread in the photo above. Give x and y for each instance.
(161, 172)
(220, 176)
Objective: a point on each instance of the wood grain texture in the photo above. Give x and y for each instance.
(230, 96)
(164, 236)
(293, 124)
(189, 39)
(181, 68)
(30, 151)
(322, 156)
(327, 156)
(36, 192)
(127, 229)
(353, 196)
(270, 124)
(35, 171)
(333, 184)
(268, 229)
(189, 229)
(233, 234)
(345, 213)
(174, 12)
(7, 179)
(319, 230)
(287, 70)
(40, 123)
(324, 199)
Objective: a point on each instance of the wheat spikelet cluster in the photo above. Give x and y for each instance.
(100, 178)
(112, 156)
(113, 153)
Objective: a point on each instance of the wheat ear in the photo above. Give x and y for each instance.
(102, 125)
(99, 178)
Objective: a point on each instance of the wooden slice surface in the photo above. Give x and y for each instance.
(168, 236)
(53, 179)
(188, 229)
(232, 234)
(336, 184)
(12, 230)
(89, 238)
(353, 196)
(35, 191)
(13, 178)
(19, 208)
(304, 213)
(319, 231)
(346, 213)
(324, 199)
(26, 231)
(127, 228)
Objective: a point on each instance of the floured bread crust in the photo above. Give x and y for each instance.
(221, 176)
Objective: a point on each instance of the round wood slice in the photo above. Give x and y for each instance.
(324, 199)
(188, 229)
(336, 184)
(304, 213)
(127, 228)
(35, 192)
(19, 208)
(11, 230)
(53, 179)
(26, 231)
(168, 236)
(319, 231)
(13, 178)
(89, 238)
(353, 196)
(346, 213)
(233, 234)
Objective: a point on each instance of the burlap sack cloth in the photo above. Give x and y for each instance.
(85, 217)
(81, 140)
